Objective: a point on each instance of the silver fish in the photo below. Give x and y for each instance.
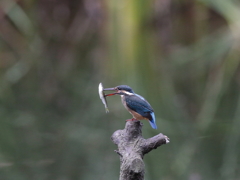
(102, 96)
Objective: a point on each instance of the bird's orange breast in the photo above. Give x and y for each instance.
(136, 115)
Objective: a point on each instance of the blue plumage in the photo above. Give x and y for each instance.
(140, 106)
(135, 104)
(153, 121)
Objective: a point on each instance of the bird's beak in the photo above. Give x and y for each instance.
(111, 89)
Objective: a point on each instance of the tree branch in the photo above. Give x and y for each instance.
(132, 147)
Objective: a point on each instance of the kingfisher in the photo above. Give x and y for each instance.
(135, 104)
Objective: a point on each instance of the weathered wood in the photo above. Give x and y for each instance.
(132, 147)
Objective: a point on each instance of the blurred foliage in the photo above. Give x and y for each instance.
(183, 56)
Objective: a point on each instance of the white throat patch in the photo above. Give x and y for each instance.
(128, 93)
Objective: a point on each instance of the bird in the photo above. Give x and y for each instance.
(137, 105)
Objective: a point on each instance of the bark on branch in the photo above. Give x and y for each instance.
(132, 147)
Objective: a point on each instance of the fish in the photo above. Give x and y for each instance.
(103, 97)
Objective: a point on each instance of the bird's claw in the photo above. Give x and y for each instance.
(130, 119)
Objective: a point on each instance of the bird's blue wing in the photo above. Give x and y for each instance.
(138, 104)
(141, 106)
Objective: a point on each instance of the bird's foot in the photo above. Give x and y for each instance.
(130, 119)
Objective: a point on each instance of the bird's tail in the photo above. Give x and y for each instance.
(152, 121)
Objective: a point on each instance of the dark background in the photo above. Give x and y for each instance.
(181, 55)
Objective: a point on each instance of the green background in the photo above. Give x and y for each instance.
(181, 55)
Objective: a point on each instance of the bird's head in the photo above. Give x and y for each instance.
(120, 90)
